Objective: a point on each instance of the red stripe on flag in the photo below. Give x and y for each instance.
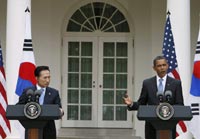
(176, 74)
(3, 134)
(183, 126)
(3, 113)
(3, 93)
(177, 134)
(3, 72)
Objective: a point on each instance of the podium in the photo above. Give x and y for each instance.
(164, 127)
(34, 127)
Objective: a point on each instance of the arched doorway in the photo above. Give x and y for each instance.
(97, 59)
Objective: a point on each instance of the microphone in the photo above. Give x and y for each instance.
(29, 94)
(160, 96)
(168, 95)
(37, 95)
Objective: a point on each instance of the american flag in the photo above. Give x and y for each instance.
(170, 54)
(4, 123)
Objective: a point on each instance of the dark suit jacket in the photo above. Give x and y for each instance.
(51, 97)
(148, 96)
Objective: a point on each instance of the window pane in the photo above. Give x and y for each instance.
(108, 97)
(73, 96)
(123, 27)
(121, 81)
(118, 17)
(121, 113)
(98, 8)
(73, 80)
(73, 27)
(119, 97)
(87, 10)
(109, 10)
(86, 96)
(108, 65)
(73, 49)
(73, 64)
(122, 65)
(122, 49)
(86, 80)
(108, 113)
(78, 17)
(72, 112)
(86, 112)
(86, 65)
(108, 80)
(86, 48)
(109, 49)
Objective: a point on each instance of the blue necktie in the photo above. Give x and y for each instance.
(41, 100)
(160, 85)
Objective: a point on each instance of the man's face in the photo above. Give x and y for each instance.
(44, 78)
(161, 67)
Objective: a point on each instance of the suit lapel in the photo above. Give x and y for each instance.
(168, 83)
(154, 86)
(47, 96)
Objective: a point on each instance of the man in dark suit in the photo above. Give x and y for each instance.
(49, 96)
(159, 83)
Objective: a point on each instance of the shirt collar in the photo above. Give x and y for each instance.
(164, 78)
(38, 87)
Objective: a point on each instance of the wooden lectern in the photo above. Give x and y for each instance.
(34, 127)
(164, 127)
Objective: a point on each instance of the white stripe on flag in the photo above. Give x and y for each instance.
(4, 125)
(179, 129)
(3, 102)
(2, 80)
(171, 75)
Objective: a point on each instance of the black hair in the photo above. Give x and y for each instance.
(39, 69)
(158, 58)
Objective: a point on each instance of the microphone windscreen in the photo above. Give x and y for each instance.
(38, 92)
(29, 92)
(168, 93)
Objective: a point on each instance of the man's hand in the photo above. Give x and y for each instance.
(127, 100)
(61, 112)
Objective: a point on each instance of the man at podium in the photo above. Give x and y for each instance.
(152, 88)
(48, 96)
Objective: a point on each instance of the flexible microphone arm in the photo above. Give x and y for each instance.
(168, 95)
(160, 96)
(37, 95)
(30, 94)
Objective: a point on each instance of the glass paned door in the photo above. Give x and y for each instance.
(114, 81)
(79, 82)
(96, 73)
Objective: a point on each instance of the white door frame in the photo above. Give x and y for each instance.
(96, 97)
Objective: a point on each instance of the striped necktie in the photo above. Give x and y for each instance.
(160, 85)
(41, 100)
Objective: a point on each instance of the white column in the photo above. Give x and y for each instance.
(180, 21)
(14, 44)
